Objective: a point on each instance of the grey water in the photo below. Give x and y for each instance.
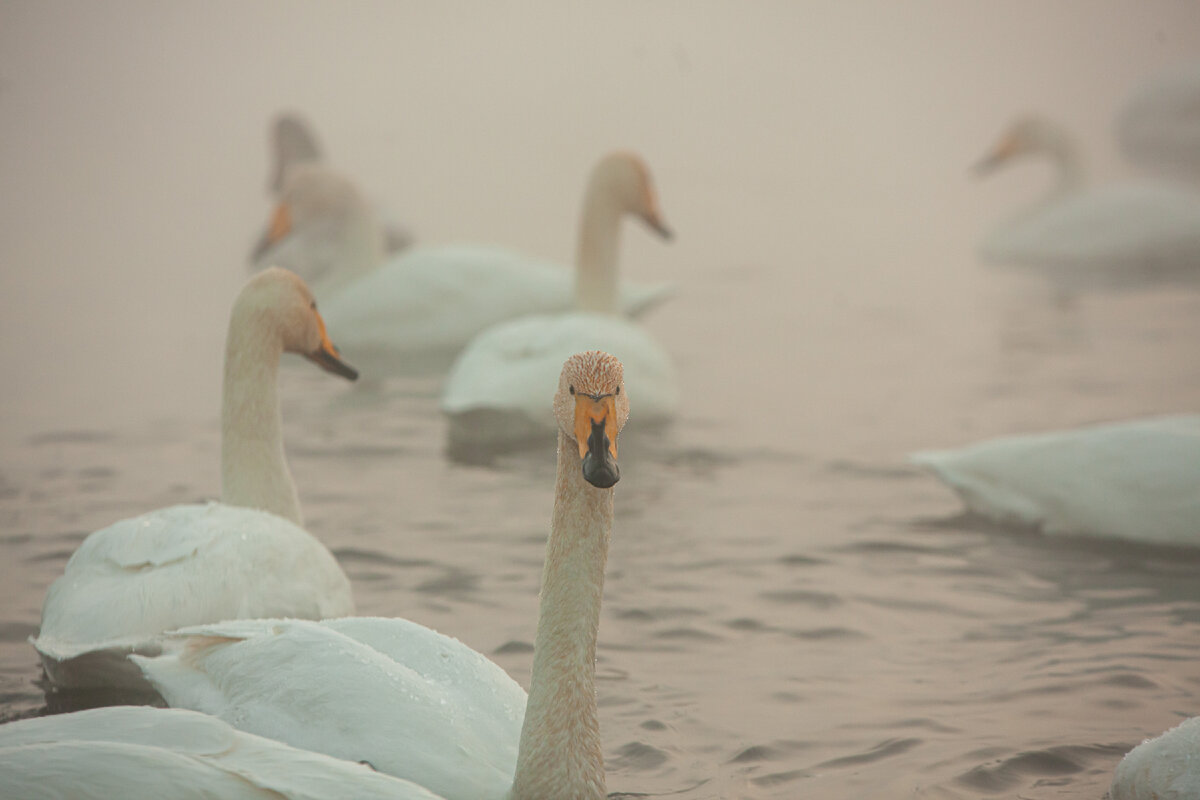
(790, 609)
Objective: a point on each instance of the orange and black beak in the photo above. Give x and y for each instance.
(1002, 152)
(327, 358)
(654, 221)
(596, 434)
(281, 226)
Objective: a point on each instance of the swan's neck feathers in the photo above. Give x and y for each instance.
(254, 470)
(596, 258)
(560, 755)
(1069, 166)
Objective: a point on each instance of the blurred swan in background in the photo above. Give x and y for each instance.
(293, 143)
(1080, 238)
(416, 312)
(183, 565)
(1134, 480)
(1164, 768)
(143, 753)
(497, 390)
(1159, 126)
(422, 706)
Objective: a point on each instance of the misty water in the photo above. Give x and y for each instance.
(790, 608)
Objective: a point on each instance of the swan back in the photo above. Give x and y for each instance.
(143, 753)
(412, 702)
(1133, 480)
(179, 566)
(1163, 768)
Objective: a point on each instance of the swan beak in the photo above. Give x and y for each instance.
(596, 435)
(326, 356)
(1002, 152)
(658, 226)
(281, 226)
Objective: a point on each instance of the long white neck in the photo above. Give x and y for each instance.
(254, 471)
(596, 258)
(560, 755)
(1063, 151)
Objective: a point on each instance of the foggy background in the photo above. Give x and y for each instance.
(824, 144)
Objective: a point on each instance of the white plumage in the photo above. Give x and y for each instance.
(1164, 768)
(141, 753)
(1136, 480)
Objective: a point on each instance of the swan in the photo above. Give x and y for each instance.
(416, 311)
(1135, 480)
(143, 753)
(1092, 237)
(1159, 125)
(1163, 768)
(293, 143)
(495, 392)
(420, 705)
(189, 564)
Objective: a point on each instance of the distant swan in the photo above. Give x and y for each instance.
(1159, 125)
(1130, 480)
(1163, 768)
(422, 706)
(142, 753)
(294, 143)
(188, 564)
(496, 391)
(1081, 238)
(415, 312)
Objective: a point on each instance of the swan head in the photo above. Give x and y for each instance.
(315, 200)
(624, 179)
(1029, 135)
(282, 301)
(292, 143)
(591, 407)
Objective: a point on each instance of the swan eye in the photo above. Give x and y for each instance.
(618, 390)
(571, 389)
(313, 305)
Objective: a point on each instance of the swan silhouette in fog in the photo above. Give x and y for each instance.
(416, 311)
(294, 143)
(496, 391)
(1081, 238)
(1163, 768)
(1159, 126)
(246, 556)
(1133, 480)
(422, 706)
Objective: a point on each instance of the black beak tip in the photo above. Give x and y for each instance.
(603, 473)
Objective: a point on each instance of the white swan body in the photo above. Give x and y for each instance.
(1159, 126)
(416, 311)
(491, 393)
(497, 389)
(142, 753)
(1132, 480)
(1164, 768)
(130, 582)
(1109, 236)
(423, 706)
(406, 699)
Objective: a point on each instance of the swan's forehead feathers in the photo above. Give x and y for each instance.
(277, 288)
(594, 372)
